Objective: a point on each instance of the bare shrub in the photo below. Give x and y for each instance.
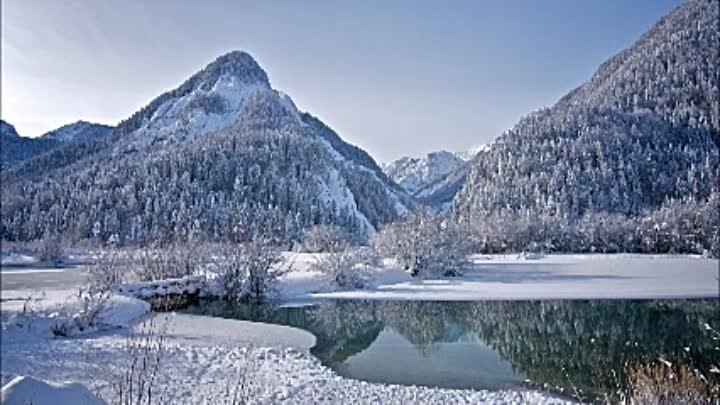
(662, 383)
(140, 368)
(348, 268)
(172, 261)
(30, 311)
(326, 238)
(51, 248)
(247, 272)
(109, 269)
(424, 243)
(91, 306)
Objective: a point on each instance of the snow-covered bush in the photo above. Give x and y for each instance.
(29, 313)
(424, 242)
(109, 269)
(88, 315)
(141, 366)
(348, 268)
(246, 273)
(325, 238)
(99, 311)
(51, 248)
(173, 261)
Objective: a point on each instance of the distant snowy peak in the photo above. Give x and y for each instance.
(77, 131)
(413, 174)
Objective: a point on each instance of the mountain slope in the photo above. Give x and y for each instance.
(77, 131)
(222, 157)
(16, 148)
(643, 133)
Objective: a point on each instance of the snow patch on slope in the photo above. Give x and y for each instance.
(77, 131)
(336, 190)
(199, 112)
(399, 207)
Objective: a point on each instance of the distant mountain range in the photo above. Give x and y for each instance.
(16, 148)
(627, 161)
(223, 156)
(434, 178)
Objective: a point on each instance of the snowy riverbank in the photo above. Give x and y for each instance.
(206, 358)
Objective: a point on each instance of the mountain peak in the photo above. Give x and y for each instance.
(78, 130)
(238, 64)
(8, 130)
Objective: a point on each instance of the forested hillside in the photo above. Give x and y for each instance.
(627, 161)
(222, 157)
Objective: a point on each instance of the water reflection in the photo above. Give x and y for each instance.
(490, 345)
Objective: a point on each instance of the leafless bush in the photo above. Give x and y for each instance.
(424, 242)
(136, 383)
(51, 248)
(247, 273)
(348, 268)
(326, 238)
(662, 383)
(109, 269)
(30, 310)
(173, 261)
(87, 318)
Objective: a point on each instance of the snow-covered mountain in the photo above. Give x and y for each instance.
(636, 146)
(223, 155)
(16, 148)
(435, 178)
(77, 131)
(413, 174)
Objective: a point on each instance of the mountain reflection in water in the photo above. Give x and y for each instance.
(582, 345)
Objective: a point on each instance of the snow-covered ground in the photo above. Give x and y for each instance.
(205, 359)
(515, 277)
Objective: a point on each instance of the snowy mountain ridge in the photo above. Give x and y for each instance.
(223, 154)
(637, 145)
(413, 174)
(79, 130)
(435, 178)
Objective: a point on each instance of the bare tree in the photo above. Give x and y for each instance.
(423, 242)
(348, 268)
(247, 272)
(326, 238)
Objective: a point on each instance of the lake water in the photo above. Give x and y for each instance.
(559, 345)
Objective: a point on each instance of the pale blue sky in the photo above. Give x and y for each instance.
(394, 77)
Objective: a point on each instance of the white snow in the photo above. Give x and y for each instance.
(514, 277)
(179, 119)
(17, 259)
(206, 357)
(121, 311)
(399, 207)
(30, 391)
(414, 174)
(335, 190)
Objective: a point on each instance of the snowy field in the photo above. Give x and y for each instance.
(513, 277)
(206, 359)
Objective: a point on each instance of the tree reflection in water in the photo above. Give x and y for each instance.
(581, 345)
